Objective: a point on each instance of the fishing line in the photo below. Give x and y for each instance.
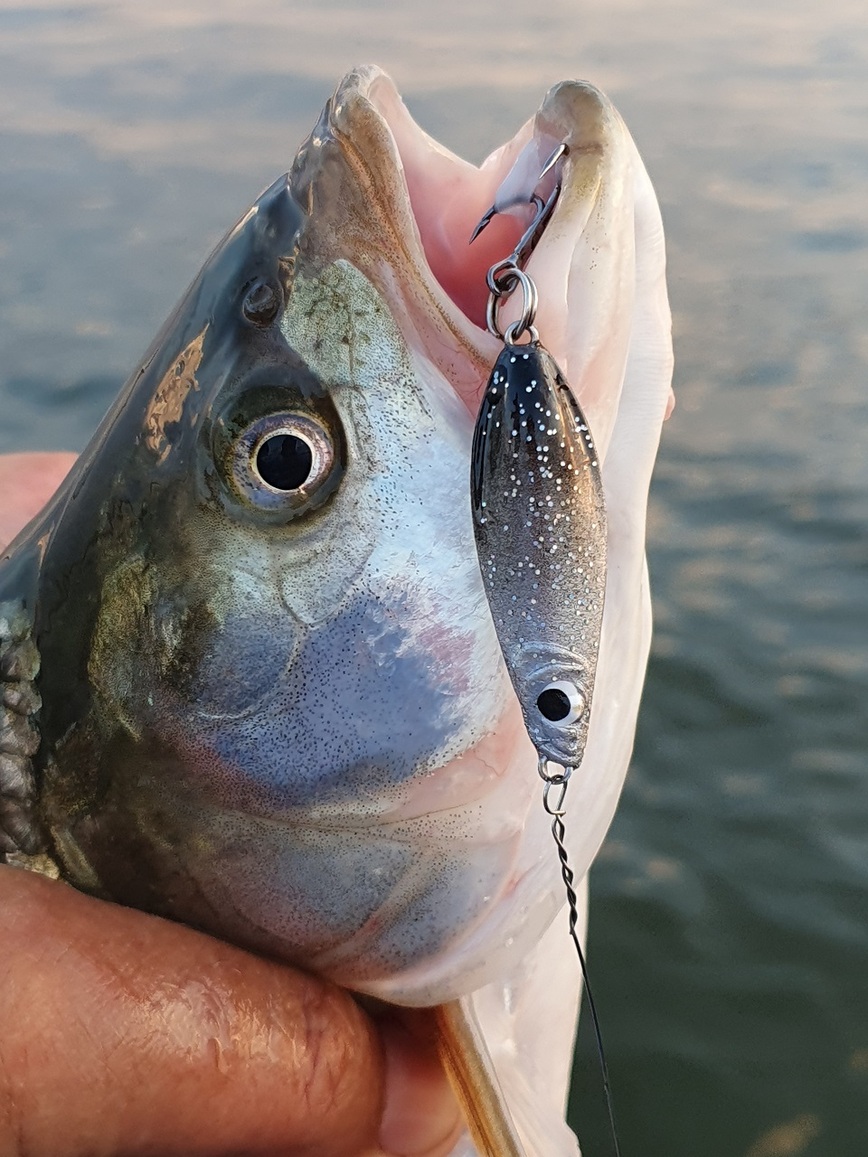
(557, 811)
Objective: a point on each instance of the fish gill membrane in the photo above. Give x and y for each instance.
(250, 679)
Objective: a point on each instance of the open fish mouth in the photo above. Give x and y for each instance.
(425, 202)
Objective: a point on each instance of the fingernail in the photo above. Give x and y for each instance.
(420, 1114)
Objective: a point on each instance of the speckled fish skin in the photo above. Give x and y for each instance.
(540, 523)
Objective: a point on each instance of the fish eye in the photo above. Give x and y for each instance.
(561, 703)
(280, 461)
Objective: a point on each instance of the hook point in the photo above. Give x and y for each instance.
(560, 151)
(485, 220)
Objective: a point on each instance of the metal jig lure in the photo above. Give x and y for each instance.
(540, 525)
(539, 516)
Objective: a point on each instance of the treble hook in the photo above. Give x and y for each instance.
(544, 209)
(507, 274)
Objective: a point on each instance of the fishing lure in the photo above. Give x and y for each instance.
(539, 519)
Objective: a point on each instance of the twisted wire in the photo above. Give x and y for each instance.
(559, 831)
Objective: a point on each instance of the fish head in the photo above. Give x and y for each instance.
(274, 703)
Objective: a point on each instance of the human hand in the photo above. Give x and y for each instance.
(125, 1035)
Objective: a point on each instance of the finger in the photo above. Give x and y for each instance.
(27, 481)
(420, 1115)
(127, 1034)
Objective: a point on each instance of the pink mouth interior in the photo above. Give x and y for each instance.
(459, 267)
(448, 197)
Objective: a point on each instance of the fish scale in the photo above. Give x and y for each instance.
(540, 525)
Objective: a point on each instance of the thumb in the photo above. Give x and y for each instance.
(127, 1034)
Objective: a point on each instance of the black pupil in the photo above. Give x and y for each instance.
(284, 461)
(554, 704)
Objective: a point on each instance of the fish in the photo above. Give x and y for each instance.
(249, 675)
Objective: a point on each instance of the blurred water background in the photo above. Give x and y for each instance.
(729, 937)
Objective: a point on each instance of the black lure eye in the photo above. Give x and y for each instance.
(280, 461)
(262, 303)
(561, 703)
